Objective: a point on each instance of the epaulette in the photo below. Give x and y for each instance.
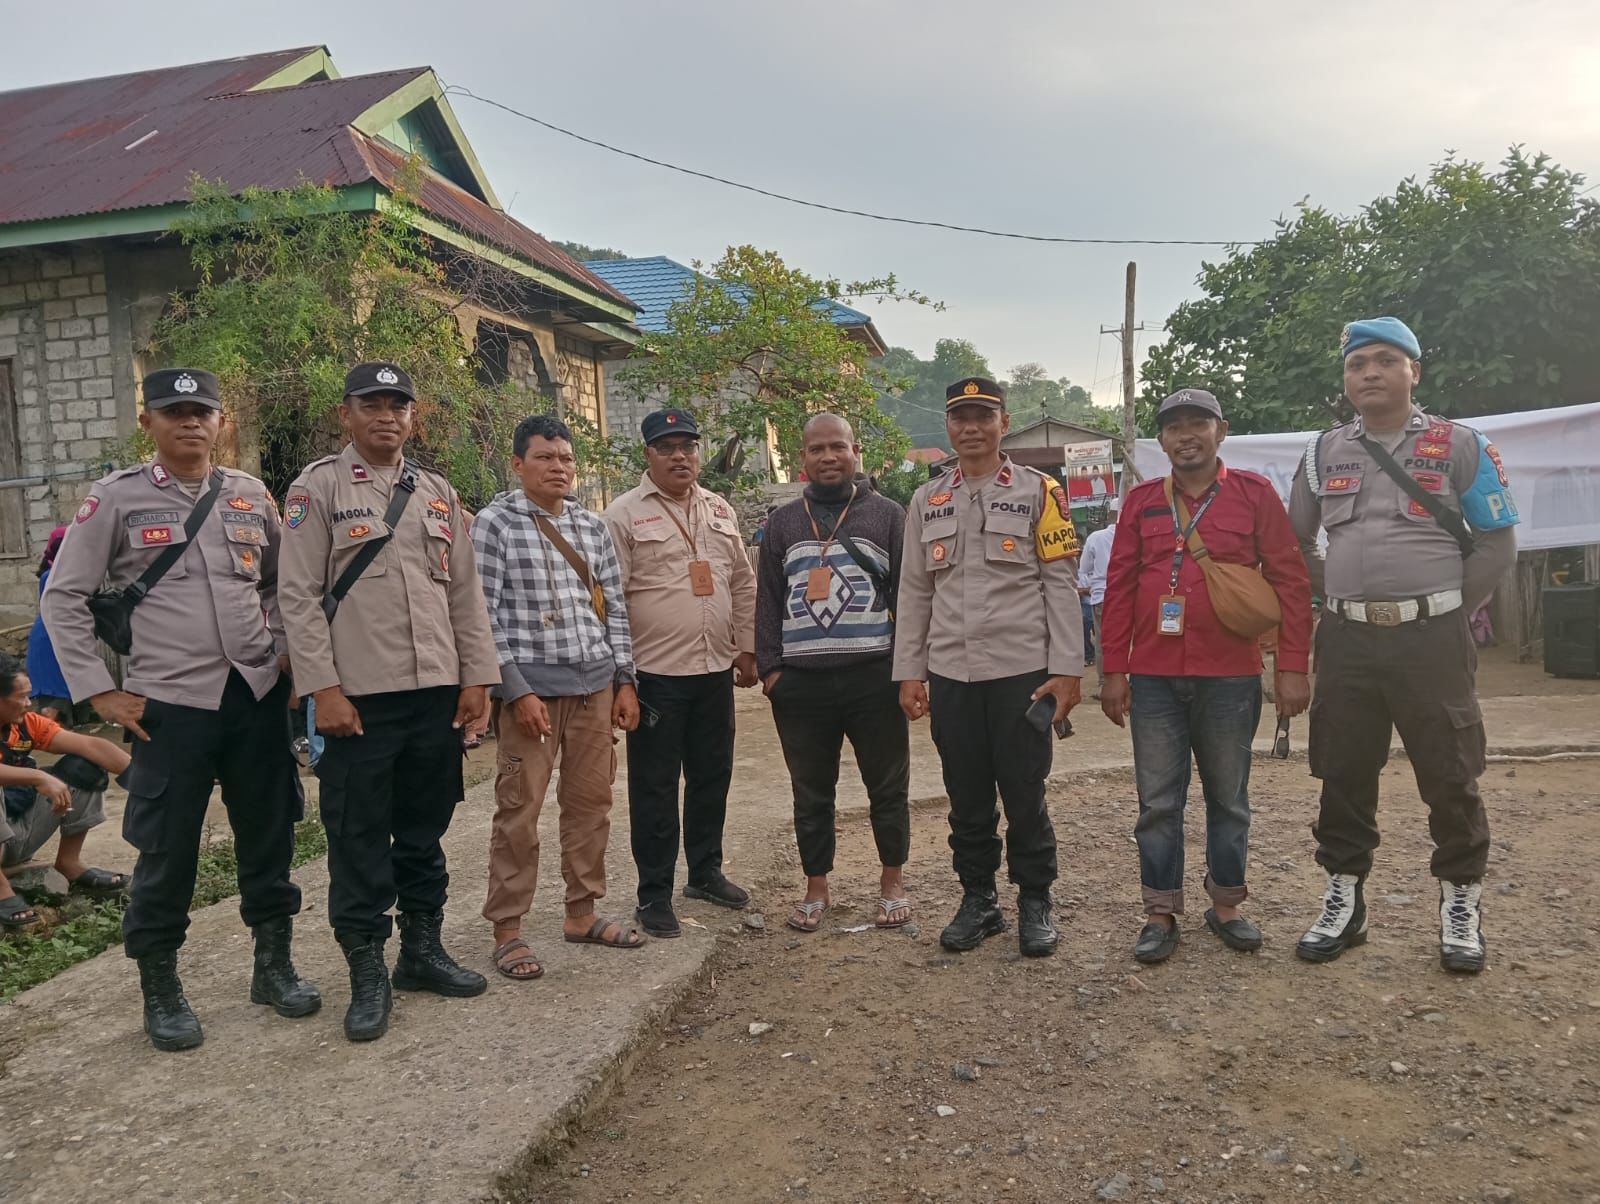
(132, 470)
(319, 463)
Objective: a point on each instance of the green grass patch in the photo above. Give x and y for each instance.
(26, 960)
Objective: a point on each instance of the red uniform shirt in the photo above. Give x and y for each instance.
(1246, 524)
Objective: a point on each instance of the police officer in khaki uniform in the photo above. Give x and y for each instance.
(1394, 648)
(204, 698)
(396, 675)
(989, 623)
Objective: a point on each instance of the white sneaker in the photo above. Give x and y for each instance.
(1461, 927)
(1342, 925)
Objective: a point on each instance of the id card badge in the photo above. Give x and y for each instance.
(819, 584)
(1169, 617)
(700, 578)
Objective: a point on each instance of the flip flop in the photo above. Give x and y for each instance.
(101, 884)
(506, 964)
(596, 936)
(15, 913)
(810, 915)
(887, 907)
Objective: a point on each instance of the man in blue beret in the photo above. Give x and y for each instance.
(1420, 525)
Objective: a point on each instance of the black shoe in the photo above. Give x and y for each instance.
(168, 1019)
(719, 890)
(1461, 945)
(275, 981)
(370, 999)
(1342, 925)
(977, 917)
(1238, 933)
(423, 965)
(1036, 935)
(1156, 942)
(658, 920)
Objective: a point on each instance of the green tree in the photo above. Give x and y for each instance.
(751, 348)
(583, 253)
(1497, 272)
(292, 292)
(916, 395)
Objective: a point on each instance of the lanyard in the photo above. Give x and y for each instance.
(822, 556)
(1182, 533)
(672, 512)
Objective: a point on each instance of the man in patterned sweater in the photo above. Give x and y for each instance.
(830, 563)
(554, 591)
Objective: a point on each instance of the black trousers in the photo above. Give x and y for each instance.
(1421, 677)
(692, 735)
(244, 744)
(986, 744)
(814, 710)
(387, 798)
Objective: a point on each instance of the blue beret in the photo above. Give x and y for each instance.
(1380, 330)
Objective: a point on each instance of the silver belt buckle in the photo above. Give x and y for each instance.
(1383, 614)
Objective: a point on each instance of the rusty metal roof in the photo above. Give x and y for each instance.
(132, 141)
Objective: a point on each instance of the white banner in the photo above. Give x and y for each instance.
(1552, 458)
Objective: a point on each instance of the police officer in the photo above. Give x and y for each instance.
(989, 623)
(205, 696)
(1407, 563)
(396, 673)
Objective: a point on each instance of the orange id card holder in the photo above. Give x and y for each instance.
(819, 584)
(700, 578)
(1169, 615)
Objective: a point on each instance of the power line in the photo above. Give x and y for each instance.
(458, 90)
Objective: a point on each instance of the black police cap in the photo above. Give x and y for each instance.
(661, 423)
(170, 386)
(975, 390)
(378, 376)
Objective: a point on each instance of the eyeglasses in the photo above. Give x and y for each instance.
(1280, 745)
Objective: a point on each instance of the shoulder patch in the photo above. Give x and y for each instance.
(1054, 535)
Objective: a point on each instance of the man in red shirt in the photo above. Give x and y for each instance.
(1195, 686)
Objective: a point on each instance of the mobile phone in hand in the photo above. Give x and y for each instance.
(1042, 713)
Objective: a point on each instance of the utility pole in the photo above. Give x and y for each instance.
(1126, 332)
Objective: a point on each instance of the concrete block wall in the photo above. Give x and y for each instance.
(56, 328)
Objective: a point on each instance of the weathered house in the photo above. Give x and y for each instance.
(92, 175)
(655, 283)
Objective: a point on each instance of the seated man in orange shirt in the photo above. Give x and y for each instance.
(39, 802)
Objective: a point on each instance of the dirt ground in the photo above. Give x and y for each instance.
(1218, 1076)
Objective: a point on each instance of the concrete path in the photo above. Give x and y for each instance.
(278, 1110)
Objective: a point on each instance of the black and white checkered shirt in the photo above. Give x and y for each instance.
(538, 608)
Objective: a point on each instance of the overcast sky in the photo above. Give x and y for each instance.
(1161, 120)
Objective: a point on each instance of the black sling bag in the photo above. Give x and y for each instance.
(1449, 519)
(112, 609)
(404, 487)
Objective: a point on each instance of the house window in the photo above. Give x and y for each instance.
(13, 501)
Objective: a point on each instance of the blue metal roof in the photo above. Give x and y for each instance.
(655, 283)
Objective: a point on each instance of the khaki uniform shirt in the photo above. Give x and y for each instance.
(213, 611)
(415, 618)
(989, 580)
(675, 633)
(1382, 545)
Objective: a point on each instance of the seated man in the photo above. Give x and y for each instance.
(69, 796)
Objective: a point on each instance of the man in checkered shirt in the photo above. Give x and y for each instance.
(554, 592)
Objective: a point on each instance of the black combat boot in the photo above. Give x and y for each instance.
(1342, 925)
(275, 981)
(370, 1000)
(978, 916)
(423, 965)
(1036, 934)
(168, 1018)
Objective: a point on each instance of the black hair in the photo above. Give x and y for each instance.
(10, 669)
(545, 426)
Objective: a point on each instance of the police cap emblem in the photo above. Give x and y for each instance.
(186, 384)
(387, 376)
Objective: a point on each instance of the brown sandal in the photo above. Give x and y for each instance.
(507, 965)
(626, 938)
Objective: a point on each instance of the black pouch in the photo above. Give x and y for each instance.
(79, 773)
(113, 619)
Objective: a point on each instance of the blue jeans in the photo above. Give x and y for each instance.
(1215, 718)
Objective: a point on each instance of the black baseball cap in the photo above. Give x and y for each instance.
(661, 423)
(975, 390)
(378, 376)
(170, 386)
(1189, 399)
